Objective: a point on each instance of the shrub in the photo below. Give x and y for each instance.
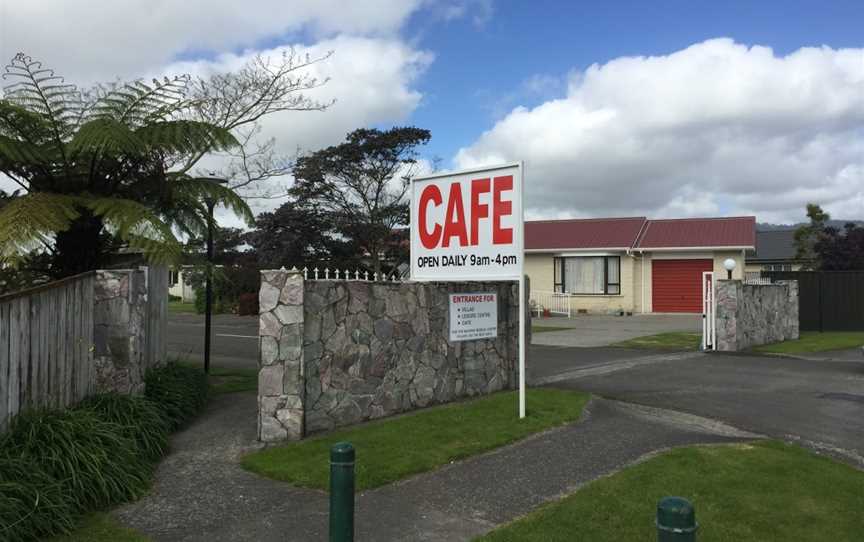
(179, 391)
(248, 305)
(141, 419)
(33, 505)
(92, 458)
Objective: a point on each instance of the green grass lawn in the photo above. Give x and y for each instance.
(233, 380)
(181, 307)
(813, 341)
(395, 448)
(768, 491)
(544, 329)
(664, 341)
(101, 527)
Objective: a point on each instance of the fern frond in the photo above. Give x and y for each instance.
(106, 135)
(186, 137)
(203, 189)
(28, 222)
(20, 152)
(40, 90)
(18, 123)
(136, 224)
(138, 103)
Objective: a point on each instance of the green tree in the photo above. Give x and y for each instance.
(361, 185)
(841, 250)
(299, 233)
(102, 168)
(808, 235)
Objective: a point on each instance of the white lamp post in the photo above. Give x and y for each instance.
(729, 264)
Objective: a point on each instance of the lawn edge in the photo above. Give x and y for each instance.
(584, 415)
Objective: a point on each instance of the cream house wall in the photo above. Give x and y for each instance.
(722, 256)
(636, 277)
(540, 269)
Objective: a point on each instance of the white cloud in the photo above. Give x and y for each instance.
(90, 41)
(370, 79)
(717, 128)
(372, 73)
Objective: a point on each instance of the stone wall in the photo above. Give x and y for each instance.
(335, 353)
(119, 330)
(750, 315)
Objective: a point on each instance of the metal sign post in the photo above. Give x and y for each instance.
(469, 226)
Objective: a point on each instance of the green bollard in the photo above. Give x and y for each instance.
(676, 520)
(342, 492)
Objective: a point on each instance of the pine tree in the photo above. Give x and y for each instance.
(101, 168)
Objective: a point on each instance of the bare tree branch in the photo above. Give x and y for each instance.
(239, 100)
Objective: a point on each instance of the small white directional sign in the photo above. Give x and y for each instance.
(473, 316)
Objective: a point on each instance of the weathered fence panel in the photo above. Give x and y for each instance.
(156, 334)
(65, 340)
(46, 335)
(829, 300)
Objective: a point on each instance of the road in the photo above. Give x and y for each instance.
(817, 403)
(234, 344)
(820, 403)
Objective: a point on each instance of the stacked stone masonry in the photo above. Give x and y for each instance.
(119, 321)
(750, 315)
(335, 353)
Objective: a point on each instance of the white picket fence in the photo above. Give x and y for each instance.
(345, 274)
(755, 277)
(557, 303)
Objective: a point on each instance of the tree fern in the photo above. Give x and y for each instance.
(28, 222)
(100, 162)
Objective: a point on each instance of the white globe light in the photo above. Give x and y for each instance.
(729, 264)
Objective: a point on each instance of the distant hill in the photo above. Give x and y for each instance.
(764, 226)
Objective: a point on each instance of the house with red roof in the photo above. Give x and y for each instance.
(638, 265)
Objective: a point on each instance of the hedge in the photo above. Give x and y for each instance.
(56, 465)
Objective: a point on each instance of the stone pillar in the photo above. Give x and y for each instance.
(281, 388)
(119, 322)
(728, 293)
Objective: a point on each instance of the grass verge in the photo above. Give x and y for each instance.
(101, 527)
(437, 436)
(813, 341)
(767, 491)
(664, 341)
(544, 329)
(233, 380)
(180, 307)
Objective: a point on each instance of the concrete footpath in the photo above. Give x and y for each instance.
(201, 492)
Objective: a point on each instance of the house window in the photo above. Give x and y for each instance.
(590, 275)
(777, 267)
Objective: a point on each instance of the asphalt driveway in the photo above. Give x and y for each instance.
(817, 403)
(589, 330)
(234, 344)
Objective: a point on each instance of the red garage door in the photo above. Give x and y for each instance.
(676, 285)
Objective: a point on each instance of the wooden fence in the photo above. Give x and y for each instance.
(828, 300)
(156, 330)
(46, 339)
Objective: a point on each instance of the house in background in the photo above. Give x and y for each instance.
(178, 284)
(614, 265)
(775, 251)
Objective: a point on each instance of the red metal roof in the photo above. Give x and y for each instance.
(582, 233)
(621, 233)
(699, 232)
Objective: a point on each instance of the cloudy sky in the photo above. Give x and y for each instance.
(617, 108)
